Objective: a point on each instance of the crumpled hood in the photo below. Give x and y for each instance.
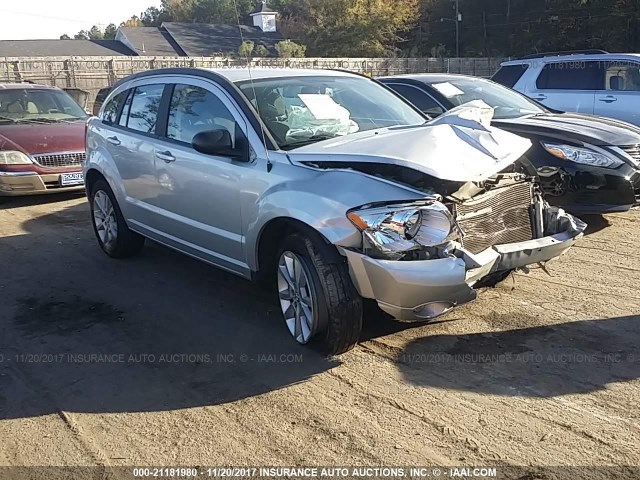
(591, 129)
(458, 146)
(35, 139)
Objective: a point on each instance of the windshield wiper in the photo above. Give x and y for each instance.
(7, 119)
(37, 120)
(309, 140)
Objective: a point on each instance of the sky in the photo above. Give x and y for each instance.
(40, 19)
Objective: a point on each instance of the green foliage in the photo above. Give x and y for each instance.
(359, 28)
(519, 27)
(354, 28)
(110, 32)
(95, 33)
(289, 49)
(246, 49)
(81, 35)
(260, 51)
(64, 36)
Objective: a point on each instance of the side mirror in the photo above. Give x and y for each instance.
(218, 142)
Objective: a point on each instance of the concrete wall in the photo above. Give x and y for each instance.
(93, 73)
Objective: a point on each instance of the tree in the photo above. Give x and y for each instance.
(246, 49)
(261, 51)
(95, 33)
(110, 32)
(289, 49)
(348, 27)
(153, 17)
(134, 21)
(64, 36)
(82, 35)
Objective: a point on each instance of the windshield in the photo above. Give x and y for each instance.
(506, 102)
(302, 110)
(38, 106)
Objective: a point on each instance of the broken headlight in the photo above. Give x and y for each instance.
(393, 231)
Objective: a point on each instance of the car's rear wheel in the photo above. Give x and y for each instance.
(111, 230)
(318, 300)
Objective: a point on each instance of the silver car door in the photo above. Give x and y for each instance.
(199, 195)
(567, 86)
(620, 97)
(132, 141)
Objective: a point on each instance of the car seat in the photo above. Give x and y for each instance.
(15, 107)
(616, 83)
(273, 110)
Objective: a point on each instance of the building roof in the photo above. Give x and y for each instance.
(262, 8)
(151, 41)
(63, 48)
(206, 40)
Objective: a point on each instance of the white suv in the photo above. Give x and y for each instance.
(587, 81)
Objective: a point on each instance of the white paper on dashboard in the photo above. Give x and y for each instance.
(323, 107)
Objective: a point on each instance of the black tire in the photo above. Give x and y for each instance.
(338, 306)
(127, 243)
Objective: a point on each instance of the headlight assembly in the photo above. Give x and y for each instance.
(582, 155)
(11, 157)
(395, 230)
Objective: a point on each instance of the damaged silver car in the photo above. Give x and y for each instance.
(323, 184)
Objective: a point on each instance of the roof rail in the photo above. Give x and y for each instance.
(568, 52)
(18, 81)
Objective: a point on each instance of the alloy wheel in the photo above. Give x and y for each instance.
(104, 217)
(296, 297)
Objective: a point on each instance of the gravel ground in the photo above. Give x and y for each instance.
(197, 369)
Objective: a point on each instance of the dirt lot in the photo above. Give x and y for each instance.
(542, 370)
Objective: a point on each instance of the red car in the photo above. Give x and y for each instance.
(42, 140)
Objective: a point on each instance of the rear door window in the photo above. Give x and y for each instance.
(571, 76)
(509, 76)
(623, 77)
(145, 104)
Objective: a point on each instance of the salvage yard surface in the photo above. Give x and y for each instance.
(193, 366)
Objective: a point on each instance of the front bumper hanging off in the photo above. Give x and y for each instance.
(414, 291)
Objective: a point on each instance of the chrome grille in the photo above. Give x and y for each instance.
(59, 160)
(633, 151)
(500, 216)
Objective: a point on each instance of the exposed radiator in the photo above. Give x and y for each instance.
(500, 216)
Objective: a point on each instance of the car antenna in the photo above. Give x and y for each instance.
(253, 88)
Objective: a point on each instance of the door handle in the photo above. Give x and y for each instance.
(114, 141)
(540, 97)
(166, 156)
(608, 99)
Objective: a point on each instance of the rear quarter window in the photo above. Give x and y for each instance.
(113, 107)
(509, 76)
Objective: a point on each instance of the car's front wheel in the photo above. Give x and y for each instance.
(318, 299)
(111, 230)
